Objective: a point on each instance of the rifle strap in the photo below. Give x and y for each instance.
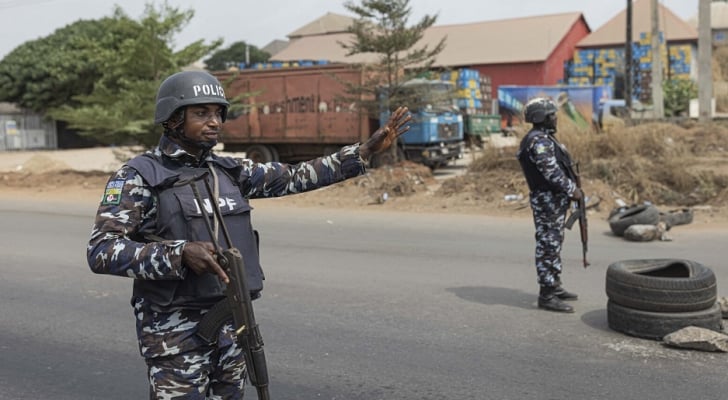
(210, 324)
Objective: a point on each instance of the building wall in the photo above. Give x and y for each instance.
(549, 72)
(554, 65)
(720, 37)
(512, 74)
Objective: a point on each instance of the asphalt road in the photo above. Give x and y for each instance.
(358, 306)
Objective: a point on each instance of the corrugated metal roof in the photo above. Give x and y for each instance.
(275, 46)
(327, 24)
(517, 40)
(613, 32)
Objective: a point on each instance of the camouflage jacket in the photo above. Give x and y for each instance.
(129, 203)
(539, 149)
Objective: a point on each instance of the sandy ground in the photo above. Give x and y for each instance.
(80, 175)
(96, 159)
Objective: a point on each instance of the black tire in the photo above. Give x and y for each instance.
(661, 285)
(653, 325)
(259, 153)
(642, 214)
(329, 150)
(275, 157)
(616, 211)
(677, 217)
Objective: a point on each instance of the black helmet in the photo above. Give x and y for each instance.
(537, 109)
(186, 88)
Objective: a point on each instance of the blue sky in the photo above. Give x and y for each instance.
(260, 22)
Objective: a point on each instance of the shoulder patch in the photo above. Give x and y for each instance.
(540, 148)
(112, 193)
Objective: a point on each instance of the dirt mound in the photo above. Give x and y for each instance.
(40, 163)
(668, 165)
(49, 179)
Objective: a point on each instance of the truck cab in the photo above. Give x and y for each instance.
(436, 133)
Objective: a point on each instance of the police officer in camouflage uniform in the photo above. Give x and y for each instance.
(151, 230)
(545, 164)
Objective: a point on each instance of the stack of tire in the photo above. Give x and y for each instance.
(654, 297)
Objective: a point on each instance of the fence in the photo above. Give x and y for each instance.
(26, 131)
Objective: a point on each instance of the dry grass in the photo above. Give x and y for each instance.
(657, 162)
(720, 78)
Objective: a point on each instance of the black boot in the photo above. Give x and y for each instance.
(563, 294)
(548, 300)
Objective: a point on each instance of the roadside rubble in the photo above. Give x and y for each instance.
(701, 339)
(695, 338)
(645, 223)
(647, 233)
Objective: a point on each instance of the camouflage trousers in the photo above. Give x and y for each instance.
(181, 365)
(549, 215)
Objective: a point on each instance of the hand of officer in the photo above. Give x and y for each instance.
(200, 258)
(578, 194)
(387, 134)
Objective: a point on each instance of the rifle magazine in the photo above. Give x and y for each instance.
(210, 324)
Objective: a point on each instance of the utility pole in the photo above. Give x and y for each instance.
(658, 103)
(628, 61)
(705, 71)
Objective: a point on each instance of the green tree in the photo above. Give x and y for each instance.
(101, 76)
(234, 55)
(677, 94)
(49, 72)
(382, 29)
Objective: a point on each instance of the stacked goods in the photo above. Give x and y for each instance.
(473, 91)
(474, 99)
(602, 66)
(282, 64)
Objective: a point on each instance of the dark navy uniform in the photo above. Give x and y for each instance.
(150, 226)
(544, 162)
(169, 299)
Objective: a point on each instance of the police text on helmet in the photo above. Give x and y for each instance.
(209, 90)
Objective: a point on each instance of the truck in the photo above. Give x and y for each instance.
(436, 134)
(293, 114)
(473, 99)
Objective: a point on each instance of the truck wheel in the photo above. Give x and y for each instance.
(259, 153)
(661, 285)
(274, 154)
(329, 150)
(654, 325)
(645, 214)
(386, 158)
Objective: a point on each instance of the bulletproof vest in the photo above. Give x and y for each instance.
(534, 178)
(179, 216)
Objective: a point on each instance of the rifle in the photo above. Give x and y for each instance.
(579, 213)
(237, 299)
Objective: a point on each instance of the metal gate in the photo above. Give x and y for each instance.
(26, 131)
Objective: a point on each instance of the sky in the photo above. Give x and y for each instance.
(261, 21)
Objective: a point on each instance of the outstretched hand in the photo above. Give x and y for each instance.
(397, 124)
